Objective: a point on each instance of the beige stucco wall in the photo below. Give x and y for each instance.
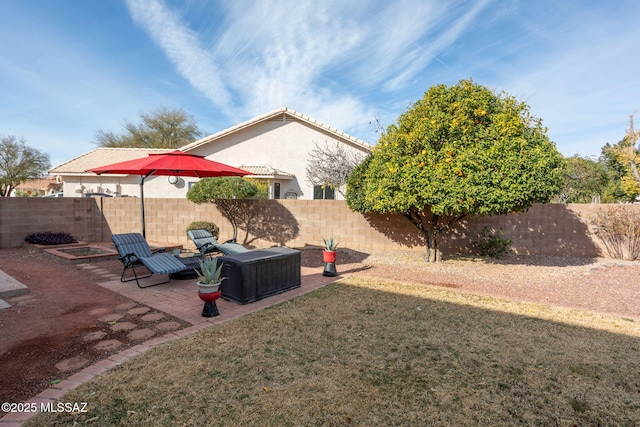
(543, 230)
(126, 186)
(283, 145)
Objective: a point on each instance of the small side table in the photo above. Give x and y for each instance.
(192, 262)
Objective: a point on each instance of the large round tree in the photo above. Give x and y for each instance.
(460, 150)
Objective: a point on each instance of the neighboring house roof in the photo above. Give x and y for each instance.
(284, 114)
(102, 156)
(38, 184)
(265, 172)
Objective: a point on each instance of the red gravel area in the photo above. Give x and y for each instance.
(599, 285)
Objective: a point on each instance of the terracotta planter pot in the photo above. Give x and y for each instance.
(329, 256)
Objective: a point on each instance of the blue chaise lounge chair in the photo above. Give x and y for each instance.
(206, 243)
(135, 251)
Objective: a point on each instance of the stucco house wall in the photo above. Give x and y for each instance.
(276, 146)
(283, 145)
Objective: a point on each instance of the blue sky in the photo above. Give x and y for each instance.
(71, 67)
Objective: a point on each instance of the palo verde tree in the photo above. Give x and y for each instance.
(19, 163)
(229, 194)
(163, 128)
(460, 150)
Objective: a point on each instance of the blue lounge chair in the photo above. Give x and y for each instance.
(206, 243)
(135, 251)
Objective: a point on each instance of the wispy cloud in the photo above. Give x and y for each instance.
(182, 46)
(269, 55)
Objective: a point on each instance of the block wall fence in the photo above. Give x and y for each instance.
(545, 229)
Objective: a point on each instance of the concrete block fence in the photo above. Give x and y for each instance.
(545, 229)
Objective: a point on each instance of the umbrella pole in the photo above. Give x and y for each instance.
(142, 178)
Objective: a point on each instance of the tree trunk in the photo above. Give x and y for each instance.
(632, 150)
(429, 233)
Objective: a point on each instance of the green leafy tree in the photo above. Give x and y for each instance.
(585, 180)
(163, 128)
(229, 194)
(19, 163)
(460, 150)
(622, 187)
(624, 157)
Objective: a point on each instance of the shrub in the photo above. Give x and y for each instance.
(49, 238)
(205, 225)
(491, 245)
(618, 227)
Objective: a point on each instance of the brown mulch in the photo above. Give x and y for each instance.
(47, 325)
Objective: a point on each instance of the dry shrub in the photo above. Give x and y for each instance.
(619, 230)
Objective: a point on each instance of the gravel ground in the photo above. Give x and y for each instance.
(599, 285)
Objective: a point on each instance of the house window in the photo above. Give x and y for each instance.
(276, 190)
(323, 192)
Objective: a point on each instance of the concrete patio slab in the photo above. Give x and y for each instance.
(10, 287)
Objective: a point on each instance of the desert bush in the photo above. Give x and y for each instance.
(618, 228)
(205, 225)
(491, 245)
(49, 238)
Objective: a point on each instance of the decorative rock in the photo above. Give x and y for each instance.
(72, 364)
(124, 326)
(140, 334)
(93, 336)
(107, 345)
(152, 317)
(113, 317)
(139, 310)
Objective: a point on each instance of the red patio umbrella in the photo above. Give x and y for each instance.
(175, 163)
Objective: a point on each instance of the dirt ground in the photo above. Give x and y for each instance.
(59, 319)
(65, 307)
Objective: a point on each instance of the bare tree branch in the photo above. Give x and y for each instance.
(332, 165)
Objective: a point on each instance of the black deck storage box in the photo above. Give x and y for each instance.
(254, 275)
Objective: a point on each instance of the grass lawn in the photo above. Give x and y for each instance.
(367, 353)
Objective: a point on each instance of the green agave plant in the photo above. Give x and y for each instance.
(329, 244)
(210, 272)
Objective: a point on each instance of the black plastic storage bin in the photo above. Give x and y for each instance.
(254, 275)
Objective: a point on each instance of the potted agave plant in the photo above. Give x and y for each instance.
(329, 252)
(329, 256)
(209, 276)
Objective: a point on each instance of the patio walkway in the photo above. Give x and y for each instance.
(178, 298)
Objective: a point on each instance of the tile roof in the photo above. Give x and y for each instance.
(266, 172)
(39, 183)
(283, 113)
(102, 156)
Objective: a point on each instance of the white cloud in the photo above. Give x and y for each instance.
(183, 48)
(265, 55)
